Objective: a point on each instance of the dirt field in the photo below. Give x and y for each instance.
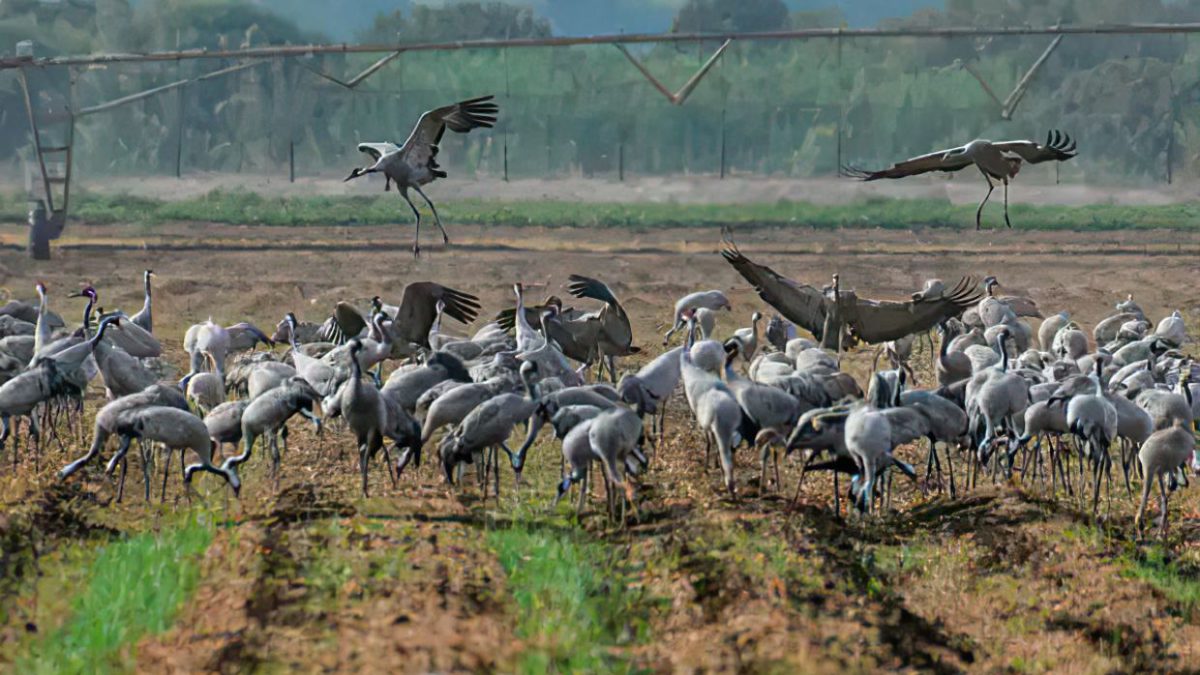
(1036, 186)
(419, 578)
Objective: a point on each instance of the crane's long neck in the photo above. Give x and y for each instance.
(87, 314)
(146, 303)
(291, 322)
(531, 389)
(104, 324)
(355, 371)
(385, 337)
(42, 331)
(1000, 342)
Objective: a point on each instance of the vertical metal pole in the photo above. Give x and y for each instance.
(179, 133)
(291, 161)
(722, 142)
(507, 98)
(841, 116)
(837, 169)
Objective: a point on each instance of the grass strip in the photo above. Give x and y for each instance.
(1178, 580)
(572, 600)
(134, 587)
(243, 207)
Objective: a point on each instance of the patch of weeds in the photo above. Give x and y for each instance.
(1179, 581)
(135, 586)
(325, 572)
(573, 604)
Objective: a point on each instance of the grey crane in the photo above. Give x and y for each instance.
(686, 307)
(144, 318)
(612, 436)
(269, 412)
(996, 161)
(717, 411)
(488, 427)
(175, 429)
(415, 163)
(107, 419)
(363, 408)
(1161, 456)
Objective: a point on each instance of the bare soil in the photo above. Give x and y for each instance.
(1036, 185)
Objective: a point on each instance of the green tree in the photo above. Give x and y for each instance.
(458, 21)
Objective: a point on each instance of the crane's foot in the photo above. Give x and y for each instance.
(416, 250)
(445, 238)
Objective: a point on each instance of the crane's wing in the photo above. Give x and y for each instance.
(879, 321)
(378, 150)
(1022, 306)
(942, 160)
(346, 323)
(587, 287)
(418, 309)
(802, 304)
(1058, 147)
(422, 144)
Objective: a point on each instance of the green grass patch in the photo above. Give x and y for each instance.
(1176, 579)
(573, 606)
(247, 207)
(135, 586)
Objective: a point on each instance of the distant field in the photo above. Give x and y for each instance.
(245, 207)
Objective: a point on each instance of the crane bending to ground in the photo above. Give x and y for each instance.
(1000, 161)
(415, 163)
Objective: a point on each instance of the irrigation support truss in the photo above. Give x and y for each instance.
(392, 51)
(614, 39)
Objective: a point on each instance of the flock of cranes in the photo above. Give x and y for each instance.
(1054, 406)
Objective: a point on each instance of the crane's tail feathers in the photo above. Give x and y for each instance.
(848, 171)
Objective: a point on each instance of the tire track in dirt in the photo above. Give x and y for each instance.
(311, 583)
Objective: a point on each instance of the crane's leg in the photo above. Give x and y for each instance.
(1006, 220)
(437, 220)
(978, 211)
(416, 235)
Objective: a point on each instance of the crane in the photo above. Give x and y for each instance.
(999, 161)
(415, 163)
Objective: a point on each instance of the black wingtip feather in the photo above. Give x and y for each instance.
(847, 171)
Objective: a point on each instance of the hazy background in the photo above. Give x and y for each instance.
(787, 109)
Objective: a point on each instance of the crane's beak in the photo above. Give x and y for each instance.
(354, 174)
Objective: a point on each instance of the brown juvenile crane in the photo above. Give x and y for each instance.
(415, 163)
(1000, 161)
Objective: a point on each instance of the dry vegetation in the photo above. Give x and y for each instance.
(312, 577)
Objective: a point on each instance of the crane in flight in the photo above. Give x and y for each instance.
(415, 163)
(996, 161)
